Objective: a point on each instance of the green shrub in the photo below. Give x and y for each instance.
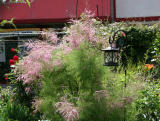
(148, 105)
(139, 40)
(92, 88)
(82, 73)
(10, 110)
(14, 111)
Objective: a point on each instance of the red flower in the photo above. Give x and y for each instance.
(123, 34)
(15, 58)
(11, 62)
(13, 50)
(6, 78)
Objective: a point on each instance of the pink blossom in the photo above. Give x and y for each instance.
(30, 66)
(40, 55)
(51, 37)
(27, 89)
(57, 62)
(66, 50)
(67, 110)
(36, 103)
(82, 30)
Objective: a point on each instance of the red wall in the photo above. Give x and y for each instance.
(51, 11)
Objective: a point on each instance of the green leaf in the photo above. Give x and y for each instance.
(29, 3)
(3, 22)
(12, 23)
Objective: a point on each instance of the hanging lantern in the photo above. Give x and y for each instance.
(111, 55)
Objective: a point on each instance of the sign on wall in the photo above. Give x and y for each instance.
(137, 8)
(2, 52)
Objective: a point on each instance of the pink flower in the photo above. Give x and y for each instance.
(53, 37)
(27, 89)
(36, 103)
(66, 50)
(82, 31)
(67, 110)
(38, 57)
